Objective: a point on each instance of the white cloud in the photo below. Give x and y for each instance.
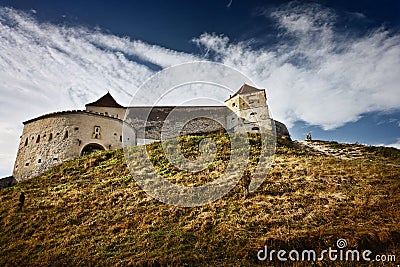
(45, 68)
(395, 145)
(317, 74)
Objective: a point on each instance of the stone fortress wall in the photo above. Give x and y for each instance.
(152, 122)
(50, 139)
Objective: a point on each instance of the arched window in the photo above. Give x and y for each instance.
(38, 139)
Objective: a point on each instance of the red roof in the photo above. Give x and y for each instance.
(105, 101)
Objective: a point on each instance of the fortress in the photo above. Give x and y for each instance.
(50, 139)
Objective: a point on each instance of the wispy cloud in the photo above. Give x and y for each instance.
(45, 67)
(317, 73)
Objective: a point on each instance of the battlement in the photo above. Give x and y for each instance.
(70, 112)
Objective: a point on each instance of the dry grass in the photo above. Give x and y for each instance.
(90, 211)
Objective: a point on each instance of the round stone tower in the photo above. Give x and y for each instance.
(50, 139)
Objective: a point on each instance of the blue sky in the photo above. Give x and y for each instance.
(329, 67)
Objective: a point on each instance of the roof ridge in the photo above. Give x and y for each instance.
(105, 101)
(246, 89)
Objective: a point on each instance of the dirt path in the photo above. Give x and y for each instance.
(340, 151)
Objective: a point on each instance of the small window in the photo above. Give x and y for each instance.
(120, 138)
(253, 113)
(233, 104)
(106, 113)
(76, 128)
(109, 146)
(66, 134)
(38, 139)
(50, 136)
(26, 141)
(96, 132)
(255, 129)
(39, 161)
(27, 164)
(55, 158)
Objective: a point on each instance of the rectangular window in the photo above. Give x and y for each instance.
(96, 132)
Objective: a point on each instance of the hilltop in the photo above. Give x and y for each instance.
(89, 211)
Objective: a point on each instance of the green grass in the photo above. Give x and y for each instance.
(89, 211)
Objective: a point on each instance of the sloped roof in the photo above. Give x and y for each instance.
(105, 101)
(69, 112)
(247, 89)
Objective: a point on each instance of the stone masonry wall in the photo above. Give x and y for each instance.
(54, 138)
(49, 140)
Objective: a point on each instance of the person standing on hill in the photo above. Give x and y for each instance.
(21, 201)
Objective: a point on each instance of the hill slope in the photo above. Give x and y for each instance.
(89, 211)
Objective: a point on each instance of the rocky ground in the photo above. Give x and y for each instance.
(334, 149)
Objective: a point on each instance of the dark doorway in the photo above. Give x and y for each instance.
(90, 148)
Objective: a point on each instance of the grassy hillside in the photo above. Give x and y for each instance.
(89, 211)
